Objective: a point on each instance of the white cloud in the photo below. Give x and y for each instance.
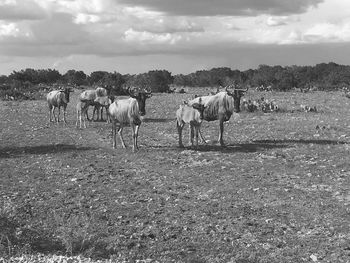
(277, 21)
(150, 38)
(328, 32)
(84, 12)
(80, 6)
(167, 25)
(86, 19)
(139, 12)
(8, 30)
(8, 2)
(294, 37)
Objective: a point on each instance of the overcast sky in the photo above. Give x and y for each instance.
(181, 36)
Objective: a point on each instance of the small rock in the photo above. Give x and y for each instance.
(314, 258)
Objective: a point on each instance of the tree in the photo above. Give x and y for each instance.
(284, 80)
(73, 77)
(113, 81)
(265, 75)
(4, 79)
(96, 76)
(182, 80)
(49, 76)
(157, 80)
(160, 80)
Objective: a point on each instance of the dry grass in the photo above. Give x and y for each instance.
(278, 192)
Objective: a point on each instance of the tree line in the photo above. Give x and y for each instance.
(324, 76)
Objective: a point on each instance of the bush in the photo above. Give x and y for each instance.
(11, 92)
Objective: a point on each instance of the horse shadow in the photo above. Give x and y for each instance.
(16, 151)
(261, 145)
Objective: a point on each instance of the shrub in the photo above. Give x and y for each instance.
(14, 92)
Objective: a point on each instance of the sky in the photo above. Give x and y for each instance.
(181, 36)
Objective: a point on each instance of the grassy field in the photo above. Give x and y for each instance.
(278, 192)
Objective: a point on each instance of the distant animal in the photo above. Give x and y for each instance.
(221, 106)
(249, 106)
(308, 108)
(90, 95)
(100, 104)
(81, 109)
(267, 106)
(261, 104)
(128, 112)
(193, 115)
(180, 90)
(57, 99)
(263, 88)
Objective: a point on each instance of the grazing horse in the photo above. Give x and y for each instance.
(58, 99)
(128, 112)
(89, 96)
(220, 106)
(194, 117)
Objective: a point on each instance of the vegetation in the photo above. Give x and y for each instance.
(30, 83)
(23, 84)
(323, 76)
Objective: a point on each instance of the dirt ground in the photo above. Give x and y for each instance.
(278, 192)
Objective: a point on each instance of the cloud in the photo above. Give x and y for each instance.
(55, 36)
(80, 6)
(25, 10)
(277, 21)
(8, 30)
(325, 32)
(107, 28)
(225, 7)
(84, 12)
(151, 38)
(12, 33)
(293, 38)
(168, 25)
(86, 19)
(59, 30)
(328, 32)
